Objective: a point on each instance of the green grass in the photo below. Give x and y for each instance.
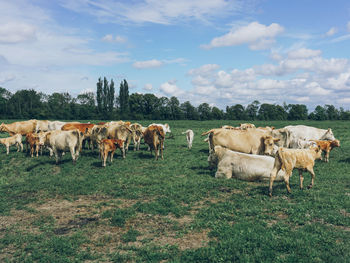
(143, 210)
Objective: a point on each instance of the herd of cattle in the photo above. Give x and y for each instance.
(244, 152)
(251, 153)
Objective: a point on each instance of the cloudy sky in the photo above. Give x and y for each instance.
(222, 52)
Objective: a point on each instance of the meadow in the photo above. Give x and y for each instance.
(172, 210)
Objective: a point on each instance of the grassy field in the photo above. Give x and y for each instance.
(171, 210)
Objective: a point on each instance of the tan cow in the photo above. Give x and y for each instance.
(246, 141)
(154, 137)
(61, 141)
(135, 136)
(326, 147)
(121, 132)
(98, 133)
(21, 127)
(108, 146)
(245, 126)
(288, 159)
(247, 167)
(13, 140)
(42, 126)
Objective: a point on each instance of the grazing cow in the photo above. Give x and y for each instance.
(56, 125)
(189, 138)
(326, 147)
(247, 141)
(13, 140)
(288, 159)
(34, 143)
(108, 146)
(136, 136)
(82, 127)
(307, 133)
(121, 132)
(20, 127)
(61, 141)
(245, 126)
(154, 137)
(247, 167)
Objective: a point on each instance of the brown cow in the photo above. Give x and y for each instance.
(154, 137)
(20, 127)
(246, 141)
(288, 159)
(121, 132)
(108, 146)
(13, 140)
(326, 147)
(34, 143)
(82, 127)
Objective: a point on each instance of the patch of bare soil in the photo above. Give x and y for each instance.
(279, 216)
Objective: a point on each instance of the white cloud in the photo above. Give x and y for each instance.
(256, 35)
(148, 87)
(303, 53)
(331, 32)
(170, 89)
(154, 63)
(117, 39)
(153, 11)
(16, 32)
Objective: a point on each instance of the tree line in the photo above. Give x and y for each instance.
(105, 104)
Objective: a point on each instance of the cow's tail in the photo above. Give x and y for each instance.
(206, 133)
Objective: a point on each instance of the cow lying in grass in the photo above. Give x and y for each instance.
(108, 147)
(288, 159)
(247, 167)
(13, 140)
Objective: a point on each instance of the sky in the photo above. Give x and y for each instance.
(222, 52)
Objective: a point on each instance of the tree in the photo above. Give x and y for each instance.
(174, 107)
(189, 111)
(204, 111)
(297, 112)
(332, 112)
(111, 94)
(99, 96)
(124, 98)
(318, 114)
(217, 114)
(252, 110)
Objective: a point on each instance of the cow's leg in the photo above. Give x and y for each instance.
(161, 148)
(287, 175)
(32, 151)
(7, 149)
(112, 153)
(122, 149)
(273, 174)
(327, 156)
(105, 155)
(57, 157)
(311, 171)
(301, 178)
(21, 145)
(72, 152)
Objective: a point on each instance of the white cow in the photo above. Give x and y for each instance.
(189, 138)
(55, 125)
(307, 133)
(247, 167)
(13, 140)
(61, 141)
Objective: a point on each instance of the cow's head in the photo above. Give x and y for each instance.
(215, 156)
(335, 143)
(318, 152)
(269, 145)
(2, 127)
(328, 135)
(41, 138)
(167, 127)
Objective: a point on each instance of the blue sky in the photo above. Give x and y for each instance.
(221, 52)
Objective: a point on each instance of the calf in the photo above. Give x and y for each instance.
(34, 143)
(108, 146)
(135, 136)
(327, 146)
(288, 159)
(189, 138)
(13, 140)
(248, 167)
(154, 137)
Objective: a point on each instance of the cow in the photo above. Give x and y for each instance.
(307, 133)
(13, 140)
(41, 125)
(247, 141)
(35, 143)
(56, 125)
(288, 159)
(154, 137)
(326, 147)
(98, 133)
(303, 144)
(61, 141)
(136, 136)
(247, 167)
(166, 127)
(108, 146)
(82, 127)
(283, 135)
(245, 126)
(189, 138)
(121, 132)
(20, 127)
